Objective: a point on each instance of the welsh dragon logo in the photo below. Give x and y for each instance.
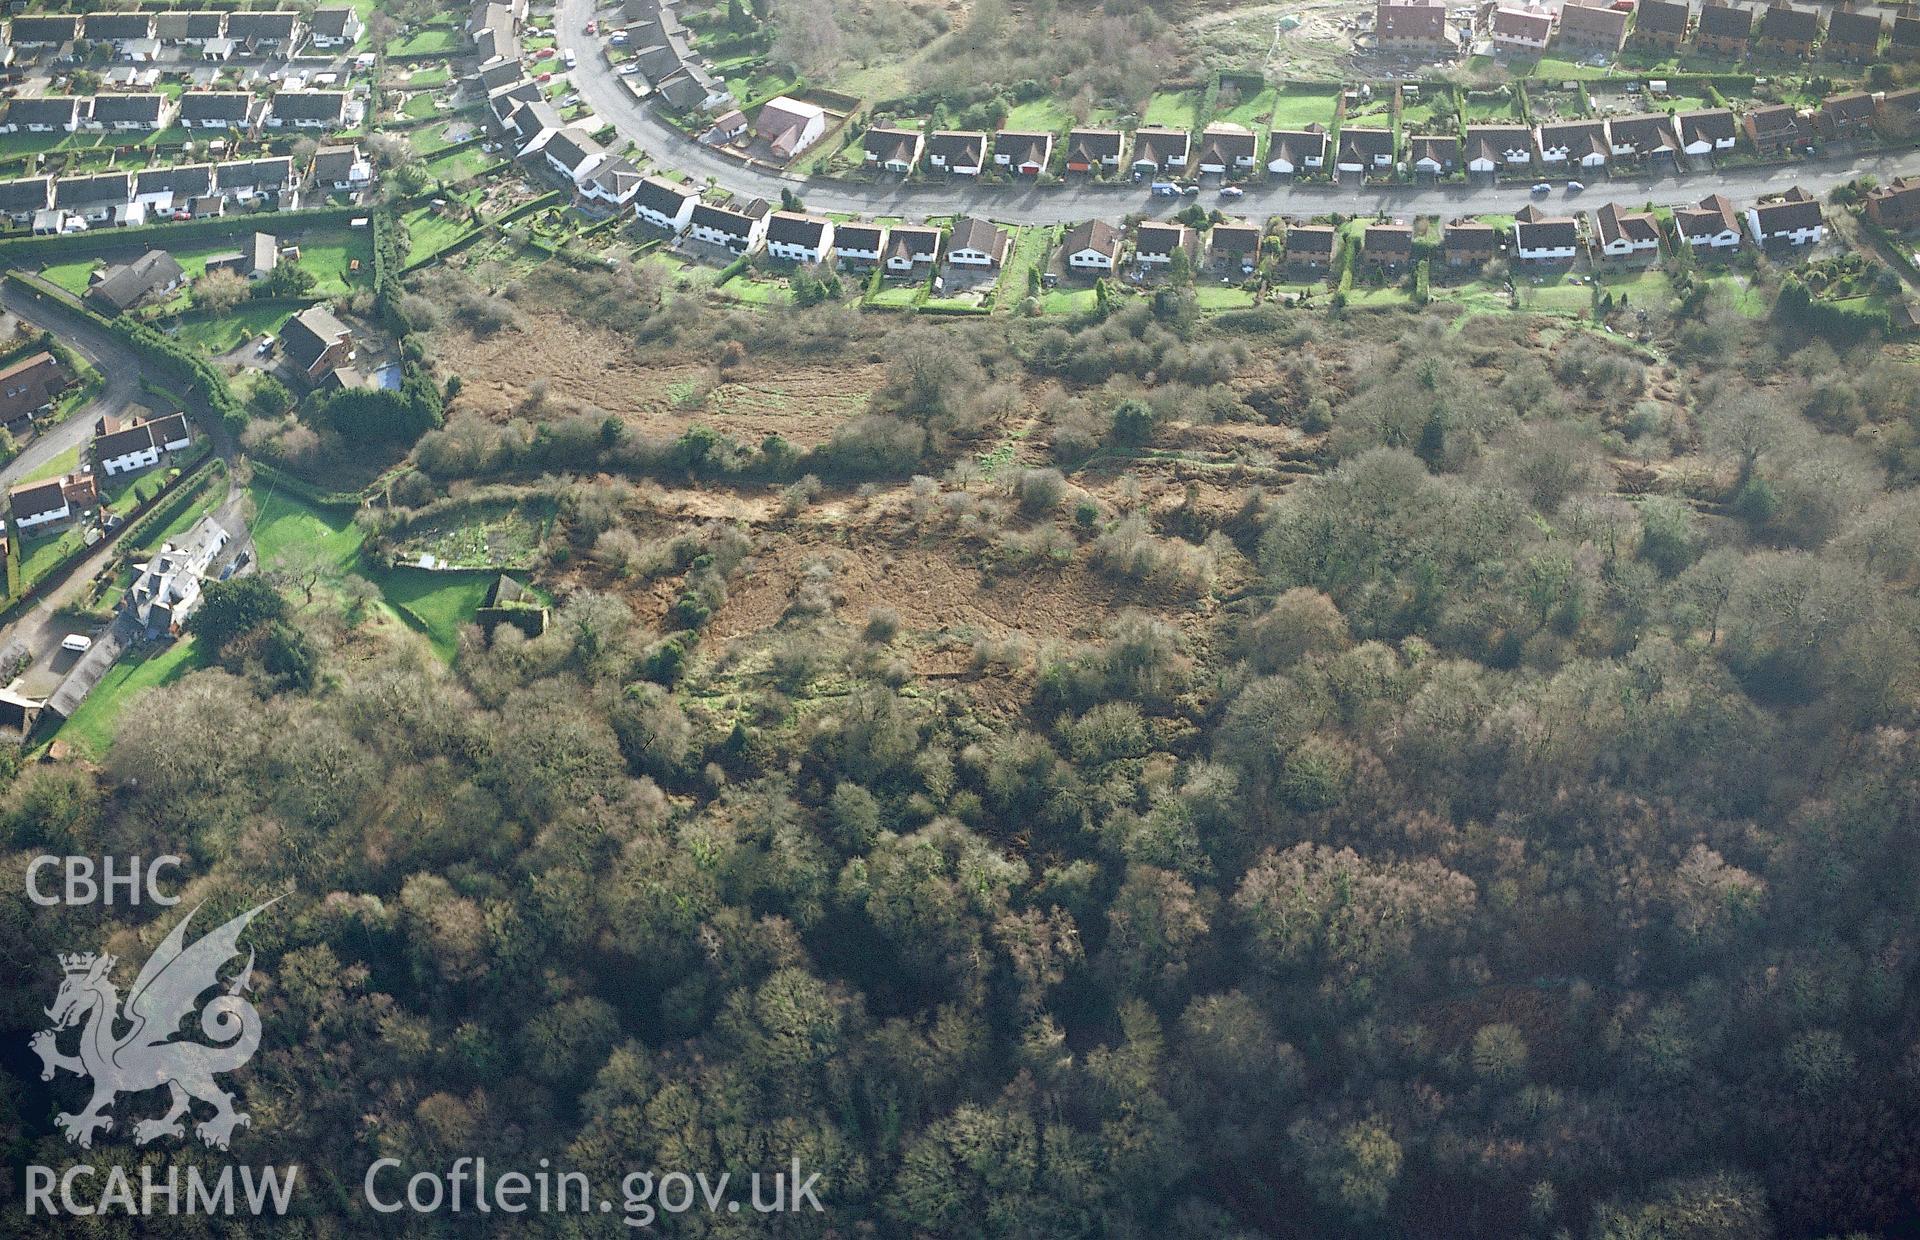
(144, 1057)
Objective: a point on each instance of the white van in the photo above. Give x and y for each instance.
(572, 60)
(78, 643)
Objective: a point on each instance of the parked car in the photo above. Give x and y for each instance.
(593, 27)
(1232, 191)
(264, 347)
(1542, 188)
(627, 70)
(78, 643)
(571, 59)
(1165, 189)
(1190, 189)
(1574, 187)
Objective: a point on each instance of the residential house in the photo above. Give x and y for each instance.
(117, 27)
(1364, 150)
(1647, 136)
(1894, 206)
(1469, 243)
(256, 262)
(894, 150)
(960, 152)
(1724, 30)
(167, 590)
(799, 238)
(1157, 150)
(1789, 219)
(738, 230)
(309, 109)
(910, 246)
(665, 204)
(220, 109)
(1388, 246)
(1574, 144)
(1898, 111)
(859, 245)
(1226, 148)
(143, 112)
(125, 449)
(1294, 152)
(1842, 116)
(1155, 243)
(613, 183)
(730, 126)
(976, 243)
(336, 26)
(201, 25)
(218, 49)
(169, 189)
(1622, 234)
(504, 102)
(21, 199)
(1852, 36)
(1433, 155)
(314, 343)
(789, 126)
(1094, 150)
(49, 114)
(1707, 131)
(1660, 24)
(208, 207)
(1526, 31)
(341, 168)
(1712, 225)
(1414, 27)
(1590, 27)
(1542, 238)
(573, 153)
(499, 73)
(1491, 149)
(1092, 248)
(1903, 45)
(1787, 31)
(94, 198)
(138, 51)
(1023, 151)
(31, 385)
(249, 180)
(1234, 246)
(1310, 247)
(266, 33)
(36, 504)
(1777, 129)
(43, 29)
(119, 288)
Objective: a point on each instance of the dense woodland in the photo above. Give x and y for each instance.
(1506, 828)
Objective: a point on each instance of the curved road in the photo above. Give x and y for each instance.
(118, 366)
(1071, 202)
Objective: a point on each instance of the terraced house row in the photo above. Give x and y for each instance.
(217, 34)
(1232, 248)
(50, 204)
(240, 111)
(1234, 151)
(1779, 30)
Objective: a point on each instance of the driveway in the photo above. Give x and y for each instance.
(1071, 202)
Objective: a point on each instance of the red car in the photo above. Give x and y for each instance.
(544, 53)
(545, 77)
(593, 27)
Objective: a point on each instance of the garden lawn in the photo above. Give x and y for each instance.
(431, 232)
(221, 333)
(438, 604)
(1222, 297)
(1175, 109)
(40, 556)
(65, 463)
(426, 42)
(1043, 115)
(282, 521)
(1069, 301)
(72, 275)
(1296, 107)
(1253, 110)
(144, 667)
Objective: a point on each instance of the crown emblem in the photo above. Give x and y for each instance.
(79, 962)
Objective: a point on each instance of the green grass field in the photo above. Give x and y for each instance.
(217, 334)
(427, 41)
(144, 667)
(1043, 115)
(1296, 107)
(40, 556)
(1252, 110)
(71, 275)
(1222, 297)
(431, 232)
(898, 295)
(436, 604)
(1175, 109)
(65, 463)
(458, 165)
(282, 521)
(1068, 301)
(1030, 248)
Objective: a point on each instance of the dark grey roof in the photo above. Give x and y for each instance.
(25, 194)
(310, 105)
(792, 228)
(309, 334)
(1725, 21)
(88, 190)
(45, 28)
(146, 109)
(48, 110)
(242, 173)
(119, 26)
(663, 196)
(184, 180)
(217, 105)
(275, 24)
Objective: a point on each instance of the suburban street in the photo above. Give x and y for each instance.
(1060, 203)
(115, 362)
